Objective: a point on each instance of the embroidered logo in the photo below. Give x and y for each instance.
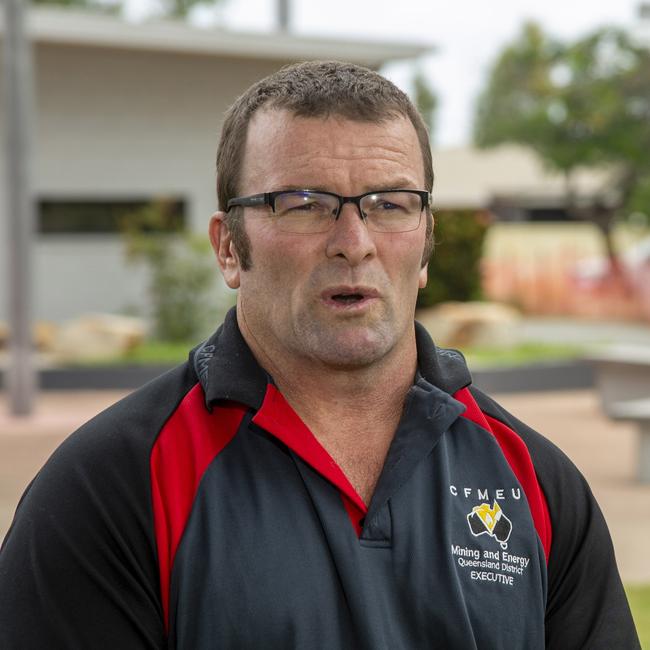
(486, 520)
(202, 359)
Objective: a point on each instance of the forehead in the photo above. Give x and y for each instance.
(283, 149)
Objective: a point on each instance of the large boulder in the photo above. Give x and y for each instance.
(43, 334)
(97, 337)
(469, 324)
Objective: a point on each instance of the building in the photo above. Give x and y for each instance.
(512, 182)
(128, 113)
(536, 254)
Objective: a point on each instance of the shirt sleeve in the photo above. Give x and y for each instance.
(586, 606)
(78, 566)
(586, 603)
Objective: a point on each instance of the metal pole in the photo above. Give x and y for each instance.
(284, 15)
(21, 378)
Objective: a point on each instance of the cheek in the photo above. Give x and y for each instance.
(405, 262)
(278, 270)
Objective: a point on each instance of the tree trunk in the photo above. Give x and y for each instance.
(602, 215)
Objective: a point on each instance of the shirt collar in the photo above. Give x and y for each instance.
(228, 371)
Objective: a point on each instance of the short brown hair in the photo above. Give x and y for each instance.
(312, 89)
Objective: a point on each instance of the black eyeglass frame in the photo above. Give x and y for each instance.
(268, 198)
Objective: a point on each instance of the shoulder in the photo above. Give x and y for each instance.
(570, 501)
(106, 459)
(586, 604)
(82, 539)
(131, 425)
(550, 462)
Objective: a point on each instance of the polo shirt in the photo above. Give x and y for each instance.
(201, 512)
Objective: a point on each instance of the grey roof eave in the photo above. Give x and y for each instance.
(88, 29)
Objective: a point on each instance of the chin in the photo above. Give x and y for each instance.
(352, 352)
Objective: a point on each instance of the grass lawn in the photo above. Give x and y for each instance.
(639, 597)
(150, 352)
(159, 352)
(522, 354)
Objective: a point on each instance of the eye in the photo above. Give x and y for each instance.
(384, 203)
(303, 203)
(307, 206)
(402, 203)
(388, 205)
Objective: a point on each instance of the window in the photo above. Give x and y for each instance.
(110, 216)
(548, 214)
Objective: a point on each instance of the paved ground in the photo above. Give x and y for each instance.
(604, 451)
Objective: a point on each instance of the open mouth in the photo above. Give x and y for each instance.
(347, 298)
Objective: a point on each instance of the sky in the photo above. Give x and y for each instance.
(465, 36)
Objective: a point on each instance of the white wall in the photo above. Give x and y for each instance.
(117, 124)
(84, 274)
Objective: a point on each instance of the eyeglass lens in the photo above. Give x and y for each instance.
(313, 212)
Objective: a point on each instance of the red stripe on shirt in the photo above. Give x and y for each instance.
(186, 445)
(278, 418)
(516, 453)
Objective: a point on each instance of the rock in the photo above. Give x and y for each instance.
(44, 335)
(463, 324)
(97, 337)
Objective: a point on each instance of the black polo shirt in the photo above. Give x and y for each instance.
(201, 512)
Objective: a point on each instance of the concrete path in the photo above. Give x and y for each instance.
(604, 451)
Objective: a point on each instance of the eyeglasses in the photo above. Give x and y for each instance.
(310, 212)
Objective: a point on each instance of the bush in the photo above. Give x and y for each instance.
(454, 268)
(185, 305)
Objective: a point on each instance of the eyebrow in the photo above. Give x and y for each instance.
(400, 183)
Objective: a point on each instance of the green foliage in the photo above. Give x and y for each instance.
(584, 103)
(454, 268)
(514, 105)
(181, 8)
(108, 6)
(170, 8)
(184, 302)
(425, 100)
(639, 201)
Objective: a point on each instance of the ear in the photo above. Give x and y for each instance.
(423, 277)
(223, 247)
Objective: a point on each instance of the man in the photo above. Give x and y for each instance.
(318, 475)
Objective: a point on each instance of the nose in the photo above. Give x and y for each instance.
(349, 237)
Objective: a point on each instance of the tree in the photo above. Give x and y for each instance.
(108, 6)
(170, 8)
(425, 99)
(454, 271)
(181, 8)
(185, 301)
(577, 104)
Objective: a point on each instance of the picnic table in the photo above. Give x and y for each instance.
(638, 411)
(622, 374)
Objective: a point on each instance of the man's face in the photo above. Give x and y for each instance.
(293, 297)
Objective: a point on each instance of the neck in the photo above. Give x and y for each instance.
(370, 396)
